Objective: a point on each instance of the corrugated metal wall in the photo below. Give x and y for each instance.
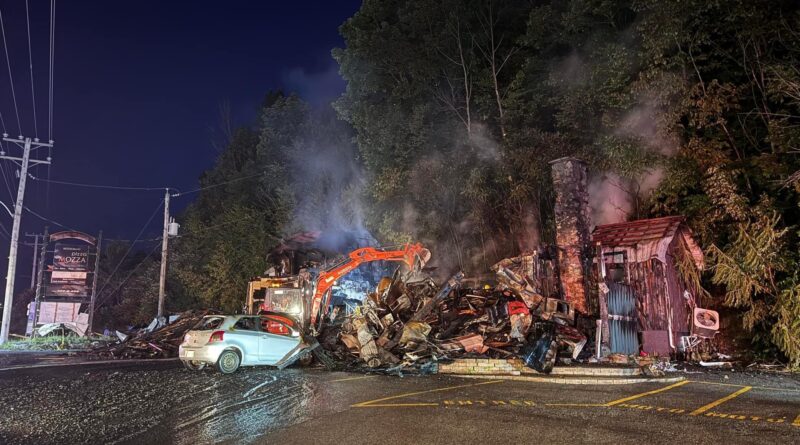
(622, 320)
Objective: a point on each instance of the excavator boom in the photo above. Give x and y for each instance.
(411, 254)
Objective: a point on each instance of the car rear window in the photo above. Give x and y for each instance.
(247, 324)
(209, 323)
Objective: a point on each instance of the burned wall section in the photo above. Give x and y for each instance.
(573, 225)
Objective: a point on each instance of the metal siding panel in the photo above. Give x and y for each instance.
(623, 332)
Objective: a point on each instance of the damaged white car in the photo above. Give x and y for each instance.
(231, 341)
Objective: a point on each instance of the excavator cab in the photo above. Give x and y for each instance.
(307, 296)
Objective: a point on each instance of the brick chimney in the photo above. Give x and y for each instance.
(573, 239)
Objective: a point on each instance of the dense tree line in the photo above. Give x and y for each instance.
(681, 108)
(454, 108)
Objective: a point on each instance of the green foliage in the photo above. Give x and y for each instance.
(693, 105)
(760, 275)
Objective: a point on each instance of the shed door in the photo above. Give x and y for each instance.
(622, 322)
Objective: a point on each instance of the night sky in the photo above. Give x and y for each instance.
(138, 91)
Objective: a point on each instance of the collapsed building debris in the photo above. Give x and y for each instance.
(411, 322)
(154, 341)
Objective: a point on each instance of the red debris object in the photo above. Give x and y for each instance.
(517, 307)
(473, 343)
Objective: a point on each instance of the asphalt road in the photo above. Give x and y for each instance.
(164, 404)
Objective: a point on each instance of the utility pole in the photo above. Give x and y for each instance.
(35, 256)
(95, 273)
(37, 298)
(26, 144)
(162, 282)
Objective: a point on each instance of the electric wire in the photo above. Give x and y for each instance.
(44, 218)
(10, 77)
(177, 194)
(218, 184)
(50, 105)
(100, 301)
(52, 70)
(50, 94)
(6, 180)
(108, 280)
(99, 186)
(30, 62)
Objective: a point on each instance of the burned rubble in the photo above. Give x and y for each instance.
(155, 341)
(411, 323)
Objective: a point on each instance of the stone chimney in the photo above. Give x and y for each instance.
(573, 239)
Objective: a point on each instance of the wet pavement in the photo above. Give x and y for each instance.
(163, 403)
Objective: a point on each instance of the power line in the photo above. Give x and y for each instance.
(30, 61)
(217, 185)
(5, 233)
(99, 303)
(6, 180)
(10, 77)
(99, 186)
(44, 218)
(50, 94)
(118, 187)
(52, 70)
(121, 240)
(131, 247)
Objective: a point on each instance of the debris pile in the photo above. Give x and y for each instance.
(155, 341)
(411, 322)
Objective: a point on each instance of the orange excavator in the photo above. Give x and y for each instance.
(307, 298)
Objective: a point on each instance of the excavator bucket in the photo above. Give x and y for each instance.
(424, 256)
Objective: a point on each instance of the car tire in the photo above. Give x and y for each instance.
(306, 360)
(193, 365)
(228, 362)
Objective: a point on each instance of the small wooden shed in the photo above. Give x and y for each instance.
(645, 270)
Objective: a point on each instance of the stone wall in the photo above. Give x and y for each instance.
(482, 366)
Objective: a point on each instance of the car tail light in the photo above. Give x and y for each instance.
(216, 336)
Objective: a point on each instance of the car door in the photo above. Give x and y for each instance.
(246, 334)
(279, 338)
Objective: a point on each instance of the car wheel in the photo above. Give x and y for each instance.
(306, 360)
(193, 365)
(228, 362)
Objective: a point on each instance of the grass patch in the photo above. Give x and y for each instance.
(54, 343)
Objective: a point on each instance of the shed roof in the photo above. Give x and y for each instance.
(647, 238)
(630, 234)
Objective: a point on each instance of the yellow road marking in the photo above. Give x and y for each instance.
(655, 391)
(575, 404)
(354, 378)
(385, 405)
(376, 402)
(769, 388)
(705, 408)
(796, 421)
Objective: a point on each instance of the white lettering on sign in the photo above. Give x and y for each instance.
(69, 275)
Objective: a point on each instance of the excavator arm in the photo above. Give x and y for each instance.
(410, 254)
